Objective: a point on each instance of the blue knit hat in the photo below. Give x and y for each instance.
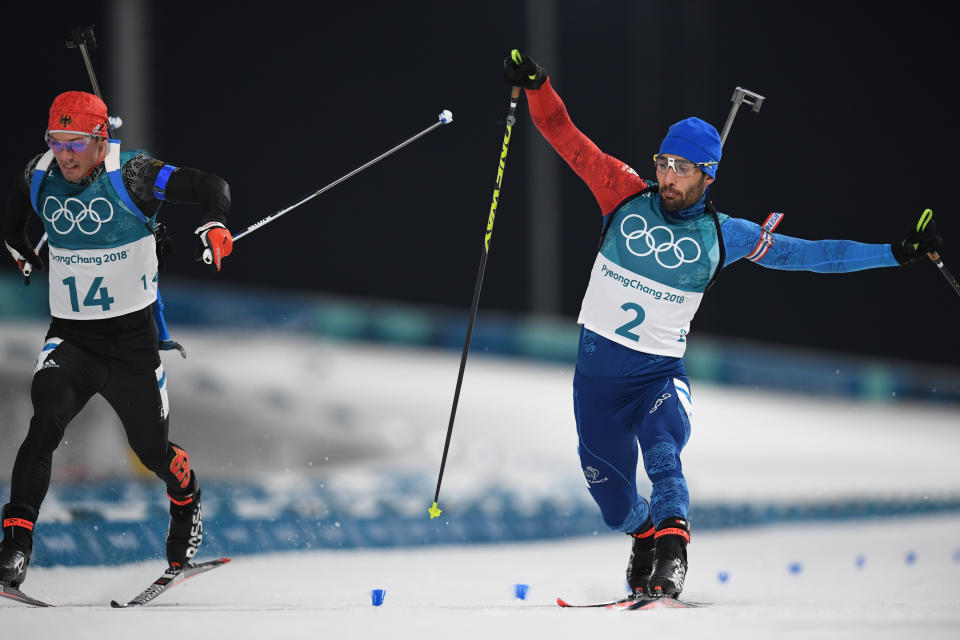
(695, 140)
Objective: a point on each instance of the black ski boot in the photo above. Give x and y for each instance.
(186, 526)
(17, 544)
(670, 558)
(641, 558)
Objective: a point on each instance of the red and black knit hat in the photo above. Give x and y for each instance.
(78, 112)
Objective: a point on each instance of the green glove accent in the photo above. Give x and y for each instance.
(921, 240)
(518, 60)
(925, 218)
(521, 71)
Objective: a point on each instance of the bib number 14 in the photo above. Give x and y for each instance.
(96, 295)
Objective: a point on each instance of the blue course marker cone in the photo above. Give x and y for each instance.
(520, 591)
(795, 568)
(723, 576)
(860, 561)
(911, 557)
(376, 596)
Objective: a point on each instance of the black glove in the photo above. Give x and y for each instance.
(917, 244)
(521, 71)
(27, 260)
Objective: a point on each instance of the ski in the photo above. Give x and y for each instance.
(635, 603)
(643, 604)
(12, 593)
(610, 604)
(170, 578)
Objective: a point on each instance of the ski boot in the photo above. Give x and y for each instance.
(670, 558)
(186, 525)
(17, 544)
(640, 565)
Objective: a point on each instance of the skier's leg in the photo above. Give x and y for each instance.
(65, 378)
(663, 433)
(139, 397)
(608, 451)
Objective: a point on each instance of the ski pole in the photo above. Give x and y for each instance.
(446, 117)
(922, 223)
(434, 510)
(935, 257)
(82, 38)
(740, 96)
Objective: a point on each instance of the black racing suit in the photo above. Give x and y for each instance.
(115, 357)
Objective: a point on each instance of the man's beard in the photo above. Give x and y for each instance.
(688, 198)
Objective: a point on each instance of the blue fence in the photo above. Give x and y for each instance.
(246, 518)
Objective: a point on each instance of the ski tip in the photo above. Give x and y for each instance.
(206, 564)
(562, 602)
(10, 592)
(117, 605)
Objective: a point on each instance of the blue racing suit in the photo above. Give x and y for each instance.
(631, 394)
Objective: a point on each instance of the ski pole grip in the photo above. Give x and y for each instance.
(517, 60)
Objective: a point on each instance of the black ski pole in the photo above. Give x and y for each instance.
(434, 510)
(935, 257)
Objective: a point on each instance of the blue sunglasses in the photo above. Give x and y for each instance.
(76, 146)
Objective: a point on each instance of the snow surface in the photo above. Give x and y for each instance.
(467, 592)
(854, 579)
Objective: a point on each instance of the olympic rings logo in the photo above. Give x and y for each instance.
(668, 246)
(78, 214)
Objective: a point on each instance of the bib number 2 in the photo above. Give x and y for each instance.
(96, 295)
(639, 315)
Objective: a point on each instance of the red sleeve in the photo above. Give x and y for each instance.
(610, 180)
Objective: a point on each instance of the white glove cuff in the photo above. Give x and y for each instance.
(202, 230)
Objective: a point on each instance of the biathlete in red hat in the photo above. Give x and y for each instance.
(98, 206)
(663, 246)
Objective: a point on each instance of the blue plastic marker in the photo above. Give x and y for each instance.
(376, 596)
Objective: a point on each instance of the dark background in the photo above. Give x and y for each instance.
(857, 136)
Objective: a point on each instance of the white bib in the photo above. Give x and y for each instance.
(87, 284)
(637, 312)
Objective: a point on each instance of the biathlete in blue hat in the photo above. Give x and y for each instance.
(662, 248)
